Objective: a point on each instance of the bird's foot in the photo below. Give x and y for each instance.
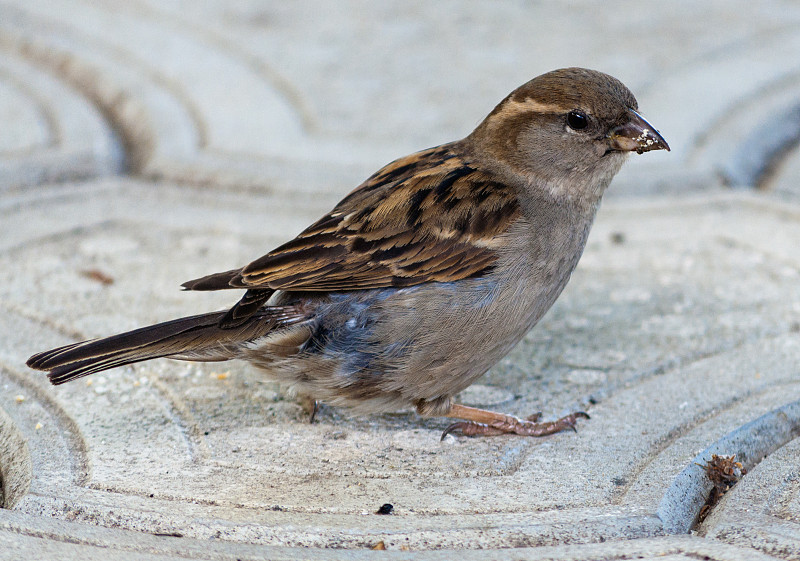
(314, 410)
(478, 422)
(310, 406)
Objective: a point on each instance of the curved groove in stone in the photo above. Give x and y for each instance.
(162, 133)
(750, 443)
(752, 102)
(698, 123)
(746, 43)
(15, 463)
(126, 116)
(177, 132)
(81, 461)
(670, 439)
(679, 362)
(761, 151)
(55, 134)
(183, 417)
(156, 125)
(203, 32)
(37, 105)
(124, 545)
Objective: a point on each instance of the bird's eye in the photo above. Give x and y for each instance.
(577, 120)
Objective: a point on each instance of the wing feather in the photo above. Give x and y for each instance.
(426, 217)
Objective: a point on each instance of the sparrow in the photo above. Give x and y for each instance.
(425, 275)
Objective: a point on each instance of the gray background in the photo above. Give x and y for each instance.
(144, 143)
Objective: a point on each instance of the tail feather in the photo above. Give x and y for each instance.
(191, 338)
(249, 304)
(217, 281)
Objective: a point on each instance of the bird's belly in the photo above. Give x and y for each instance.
(458, 339)
(389, 348)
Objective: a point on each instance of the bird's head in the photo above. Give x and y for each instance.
(567, 131)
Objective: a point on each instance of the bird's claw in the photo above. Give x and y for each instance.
(511, 425)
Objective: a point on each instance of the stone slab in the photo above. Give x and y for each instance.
(696, 336)
(211, 132)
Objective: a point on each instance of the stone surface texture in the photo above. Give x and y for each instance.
(144, 143)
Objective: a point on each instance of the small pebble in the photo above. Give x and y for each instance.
(385, 509)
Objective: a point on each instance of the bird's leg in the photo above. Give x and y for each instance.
(314, 410)
(309, 405)
(479, 422)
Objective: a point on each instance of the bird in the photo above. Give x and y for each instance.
(425, 275)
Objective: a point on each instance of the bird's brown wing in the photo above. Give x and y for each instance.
(427, 217)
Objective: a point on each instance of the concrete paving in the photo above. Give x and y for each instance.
(146, 143)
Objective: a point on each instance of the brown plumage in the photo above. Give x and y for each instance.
(389, 232)
(426, 274)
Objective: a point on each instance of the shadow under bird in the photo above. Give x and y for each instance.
(426, 274)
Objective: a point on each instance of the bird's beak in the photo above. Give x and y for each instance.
(637, 134)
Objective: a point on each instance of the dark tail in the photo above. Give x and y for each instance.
(191, 338)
